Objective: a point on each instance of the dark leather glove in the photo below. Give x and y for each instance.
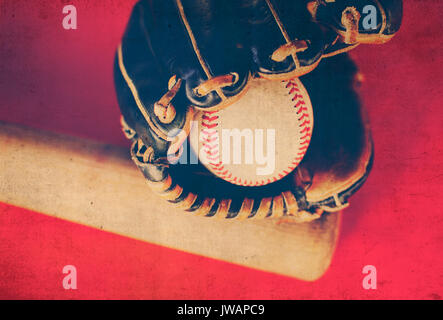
(180, 56)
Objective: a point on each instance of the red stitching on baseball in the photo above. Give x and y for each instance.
(209, 153)
(210, 141)
(209, 133)
(209, 126)
(305, 123)
(211, 147)
(208, 118)
(296, 96)
(212, 158)
(219, 168)
(308, 135)
(305, 129)
(299, 103)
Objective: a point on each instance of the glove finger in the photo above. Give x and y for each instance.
(283, 40)
(369, 21)
(341, 147)
(141, 83)
(195, 40)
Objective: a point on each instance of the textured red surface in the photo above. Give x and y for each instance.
(62, 81)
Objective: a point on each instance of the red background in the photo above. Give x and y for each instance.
(61, 80)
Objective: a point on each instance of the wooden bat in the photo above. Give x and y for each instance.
(98, 185)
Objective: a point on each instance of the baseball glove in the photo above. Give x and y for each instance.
(179, 57)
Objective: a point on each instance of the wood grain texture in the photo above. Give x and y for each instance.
(97, 185)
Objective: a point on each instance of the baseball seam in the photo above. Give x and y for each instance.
(210, 140)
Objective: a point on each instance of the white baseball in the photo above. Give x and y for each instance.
(259, 139)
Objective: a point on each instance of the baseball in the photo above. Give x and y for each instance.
(259, 139)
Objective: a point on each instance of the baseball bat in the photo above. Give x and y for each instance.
(97, 185)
